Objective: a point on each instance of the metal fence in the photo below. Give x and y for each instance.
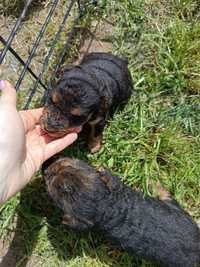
(39, 81)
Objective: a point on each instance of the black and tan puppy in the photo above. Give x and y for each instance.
(153, 229)
(85, 95)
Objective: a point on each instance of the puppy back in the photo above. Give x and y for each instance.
(113, 72)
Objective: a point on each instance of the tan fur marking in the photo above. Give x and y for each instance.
(94, 122)
(55, 97)
(66, 164)
(75, 111)
(94, 142)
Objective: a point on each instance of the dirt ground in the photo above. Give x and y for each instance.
(99, 40)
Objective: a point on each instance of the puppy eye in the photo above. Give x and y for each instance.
(55, 96)
(56, 105)
(76, 116)
(51, 102)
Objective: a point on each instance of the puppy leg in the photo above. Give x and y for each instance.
(163, 194)
(76, 224)
(96, 136)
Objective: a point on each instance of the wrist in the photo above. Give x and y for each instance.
(4, 188)
(10, 184)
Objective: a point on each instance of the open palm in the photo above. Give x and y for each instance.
(23, 145)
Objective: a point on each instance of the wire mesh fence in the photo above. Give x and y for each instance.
(53, 40)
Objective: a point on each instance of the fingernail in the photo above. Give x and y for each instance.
(2, 85)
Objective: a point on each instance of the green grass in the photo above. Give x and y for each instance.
(155, 137)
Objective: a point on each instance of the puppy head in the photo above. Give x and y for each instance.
(69, 106)
(77, 189)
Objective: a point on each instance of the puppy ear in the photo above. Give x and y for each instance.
(111, 182)
(49, 162)
(77, 223)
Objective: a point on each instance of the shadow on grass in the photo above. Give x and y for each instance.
(29, 222)
(34, 211)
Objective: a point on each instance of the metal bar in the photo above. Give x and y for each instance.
(50, 53)
(21, 61)
(82, 7)
(14, 30)
(82, 11)
(36, 43)
(65, 50)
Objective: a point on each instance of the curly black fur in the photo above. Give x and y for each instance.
(87, 94)
(159, 231)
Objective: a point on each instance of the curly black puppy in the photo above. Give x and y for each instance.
(150, 228)
(86, 95)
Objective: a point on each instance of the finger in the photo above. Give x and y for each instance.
(31, 118)
(44, 136)
(58, 145)
(8, 95)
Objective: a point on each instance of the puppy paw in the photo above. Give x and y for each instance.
(95, 144)
(163, 194)
(114, 253)
(95, 148)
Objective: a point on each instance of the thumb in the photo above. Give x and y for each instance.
(8, 94)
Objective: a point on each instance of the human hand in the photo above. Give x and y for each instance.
(23, 146)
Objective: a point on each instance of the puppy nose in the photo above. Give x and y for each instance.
(50, 121)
